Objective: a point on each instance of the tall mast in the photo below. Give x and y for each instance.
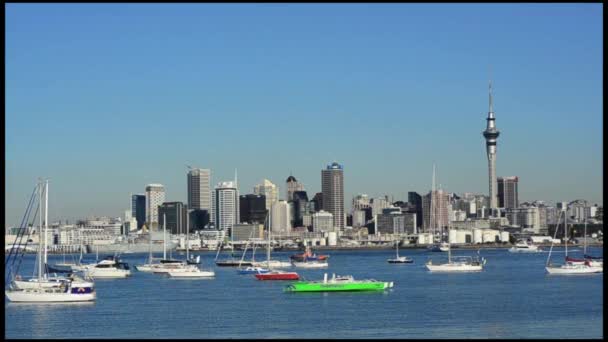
(46, 222)
(164, 236)
(187, 234)
(433, 206)
(268, 251)
(585, 237)
(40, 231)
(566, 229)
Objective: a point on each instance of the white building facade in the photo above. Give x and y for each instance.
(280, 222)
(268, 189)
(155, 196)
(226, 205)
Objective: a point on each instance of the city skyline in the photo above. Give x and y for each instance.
(379, 120)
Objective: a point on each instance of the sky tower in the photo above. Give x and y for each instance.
(491, 134)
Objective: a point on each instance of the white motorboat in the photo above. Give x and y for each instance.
(110, 267)
(311, 264)
(524, 247)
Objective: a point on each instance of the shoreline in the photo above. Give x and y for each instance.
(364, 248)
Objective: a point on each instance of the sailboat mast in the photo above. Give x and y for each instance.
(268, 251)
(40, 232)
(46, 222)
(187, 234)
(585, 237)
(566, 229)
(164, 236)
(433, 216)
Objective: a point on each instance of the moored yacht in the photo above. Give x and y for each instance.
(523, 247)
(110, 267)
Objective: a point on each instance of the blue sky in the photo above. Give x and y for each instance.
(106, 98)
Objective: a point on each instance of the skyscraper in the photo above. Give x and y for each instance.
(508, 192)
(292, 186)
(138, 209)
(300, 206)
(491, 134)
(415, 200)
(226, 205)
(332, 187)
(155, 196)
(268, 189)
(252, 208)
(199, 194)
(280, 222)
(435, 215)
(175, 212)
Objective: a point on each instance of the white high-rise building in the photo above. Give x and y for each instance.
(358, 218)
(378, 204)
(332, 189)
(322, 221)
(155, 196)
(268, 189)
(280, 222)
(226, 205)
(213, 209)
(199, 189)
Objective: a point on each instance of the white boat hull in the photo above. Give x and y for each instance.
(192, 274)
(273, 264)
(310, 264)
(574, 269)
(454, 268)
(107, 273)
(144, 268)
(46, 297)
(34, 284)
(524, 250)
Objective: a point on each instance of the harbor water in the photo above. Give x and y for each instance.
(513, 297)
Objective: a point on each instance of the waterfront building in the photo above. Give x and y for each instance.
(491, 135)
(300, 207)
(332, 187)
(415, 200)
(199, 189)
(378, 204)
(359, 218)
(246, 231)
(213, 209)
(307, 220)
(578, 210)
(361, 202)
(252, 208)
(561, 206)
(529, 216)
(226, 206)
(129, 223)
(138, 209)
(394, 221)
(508, 192)
(317, 201)
(175, 214)
(434, 222)
(323, 221)
(280, 223)
(199, 218)
(292, 186)
(269, 190)
(155, 196)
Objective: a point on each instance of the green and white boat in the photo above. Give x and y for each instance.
(338, 283)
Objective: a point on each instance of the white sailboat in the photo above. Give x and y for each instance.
(188, 270)
(456, 264)
(165, 265)
(592, 260)
(399, 259)
(45, 288)
(571, 266)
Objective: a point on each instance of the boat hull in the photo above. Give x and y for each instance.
(44, 297)
(454, 268)
(190, 274)
(273, 264)
(103, 273)
(574, 269)
(400, 261)
(328, 287)
(310, 264)
(280, 276)
(232, 263)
